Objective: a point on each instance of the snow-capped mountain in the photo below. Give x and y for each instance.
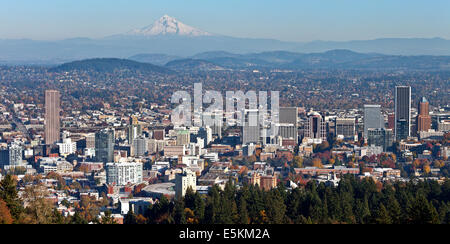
(167, 25)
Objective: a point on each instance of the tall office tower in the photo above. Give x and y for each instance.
(90, 140)
(52, 121)
(391, 121)
(288, 127)
(104, 146)
(424, 118)
(381, 137)
(288, 115)
(183, 137)
(11, 156)
(288, 131)
(402, 112)
(345, 127)
(205, 133)
(140, 146)
(316, 127)
(134, 131)
(187, 179)
(251, 131)
(373, 119)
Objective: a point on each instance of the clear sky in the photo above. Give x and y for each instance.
(290, 20)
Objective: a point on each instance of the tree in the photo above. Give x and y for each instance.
(107, 219)
(317, 162)
(5, 215)
(422, 212)
(394, 209)
(275, 207)
(130, 218)
(190, 216)
(324, 146)
(78, 219)
(426, 168)
(243, 212)
(362, 211)
(39, 210)
(298, 162)
(382, 216)
(58, 218)
(8, 193)
(179, 215)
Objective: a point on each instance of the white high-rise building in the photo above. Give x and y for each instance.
(67, 147)
(184, 181)
(122, 174)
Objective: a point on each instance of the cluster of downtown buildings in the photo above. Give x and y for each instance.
(128, 153)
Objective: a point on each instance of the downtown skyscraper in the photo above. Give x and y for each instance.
(251, 130)
(52, 117)
(104, 145)
(373, 119)
(315, 127)
(402, 112)
(288, 123)
(423, 118)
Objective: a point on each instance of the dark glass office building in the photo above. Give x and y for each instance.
(104, 146)
(402, 112)
(381, 137)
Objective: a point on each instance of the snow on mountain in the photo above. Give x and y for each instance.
(167, 25)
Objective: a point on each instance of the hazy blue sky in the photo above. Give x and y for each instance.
(293, 20)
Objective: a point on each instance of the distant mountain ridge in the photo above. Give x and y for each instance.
(219, 61)
(154, 58)
(171, 37)
(110, 65)
(192, 65)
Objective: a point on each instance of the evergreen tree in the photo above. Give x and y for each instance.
(130, 218)
(243, 212)
(382, 216)
(422, 212)
(394, 210)
(8, 193)
(179, 215)
(362, 211)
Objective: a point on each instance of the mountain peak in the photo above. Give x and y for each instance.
(167, 25)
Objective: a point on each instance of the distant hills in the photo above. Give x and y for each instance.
(192, 65)
(124, 46)
(110, 65)
(171, 37)
(221, 60)
(154, 58)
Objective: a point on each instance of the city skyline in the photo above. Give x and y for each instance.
(200, 114)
